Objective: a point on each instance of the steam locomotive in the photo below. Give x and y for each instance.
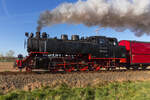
(92, 53)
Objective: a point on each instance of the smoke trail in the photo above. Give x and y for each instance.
(117, 14)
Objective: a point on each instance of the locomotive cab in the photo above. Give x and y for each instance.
(107, 47)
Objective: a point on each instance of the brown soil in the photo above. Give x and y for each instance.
(32, 81)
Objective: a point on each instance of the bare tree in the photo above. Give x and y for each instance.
(1, 55)
(10, 53)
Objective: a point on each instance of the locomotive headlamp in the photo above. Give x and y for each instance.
(26, 34)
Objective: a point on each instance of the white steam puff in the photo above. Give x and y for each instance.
(117, 14)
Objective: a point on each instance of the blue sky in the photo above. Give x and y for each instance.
(20, 16)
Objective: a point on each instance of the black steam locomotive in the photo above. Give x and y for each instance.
(76, 54)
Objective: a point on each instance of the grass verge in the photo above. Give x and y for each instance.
(112, 91)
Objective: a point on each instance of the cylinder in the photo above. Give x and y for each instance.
(75, 37)
(64, 37)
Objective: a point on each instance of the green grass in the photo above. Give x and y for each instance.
(112, 91)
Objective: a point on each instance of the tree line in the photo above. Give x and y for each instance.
(8, 56)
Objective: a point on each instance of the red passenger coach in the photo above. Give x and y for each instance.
(138, 52)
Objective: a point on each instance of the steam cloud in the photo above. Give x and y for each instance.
(117, 14)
